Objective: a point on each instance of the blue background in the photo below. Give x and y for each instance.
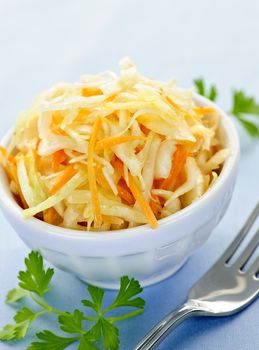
(43, 42)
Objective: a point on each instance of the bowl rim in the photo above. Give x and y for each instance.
(10, 204)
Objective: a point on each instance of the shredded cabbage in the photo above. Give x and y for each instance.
(113, 151)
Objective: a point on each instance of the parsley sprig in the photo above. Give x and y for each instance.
(244, 108)
(89, 332)
(211, 93)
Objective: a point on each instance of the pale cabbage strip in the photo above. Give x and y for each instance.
(149, 166)
(23, 178)
(51, 201)
(108, 207)
(164, 159)
(35, 180)
(217, 159)
(156, 137)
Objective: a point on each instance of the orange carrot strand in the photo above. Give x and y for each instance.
(50, 216)
(118, 165)
(117, 140)
(68, 173)
(155, 205)
(124, 192)
(204, 110)
(7, 155)
(58, 158)
(142, 202)
(179, 159)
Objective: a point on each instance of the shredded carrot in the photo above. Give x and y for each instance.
(91, 174)
(179, 159)
(118, 165)
(155, 205)
(142, 202)
(57, 118)
(144, 129)
(110, 98)
(58, 131)
(50, 215)
(37, 145)
(157, 183)
(4, 152)
(81, 116)
(180, 179)
(68, 173)
(58, 158)
(124, 192)
(117, 140)
(91, 91)
(203, 110)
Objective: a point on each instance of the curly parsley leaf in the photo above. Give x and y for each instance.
(35, 279)
(51, 341)
(19, 329)
(71, 323)
(243, 106)
(85, 344)
(210, 93)
(15, 331)
(34, 283)
(128, 289)
(105, 330)
(97, 299)
(25, 314)
(15, 294)
(250, 127)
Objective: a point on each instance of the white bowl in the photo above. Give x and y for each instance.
(140, 252)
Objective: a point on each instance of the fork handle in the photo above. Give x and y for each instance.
(170, 322)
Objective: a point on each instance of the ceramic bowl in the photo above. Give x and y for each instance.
(140, 252)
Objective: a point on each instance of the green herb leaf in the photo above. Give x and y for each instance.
(201, 89)
(243, 104)
(199, 84)
(25, 314)
(213, 93)
(35, 278)
(128, 289)
(97, 297)
(14, 331)
(51, 341)
(71, 323)
(105, 330)
(250, 127)
(85, 344)
(23, 319)
(15, 294)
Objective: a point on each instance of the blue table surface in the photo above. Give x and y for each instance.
(44, 42)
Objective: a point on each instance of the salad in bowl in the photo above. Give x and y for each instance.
(113, 152)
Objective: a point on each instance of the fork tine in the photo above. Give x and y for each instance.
(254, 269)
(241, 235)
(248, 252)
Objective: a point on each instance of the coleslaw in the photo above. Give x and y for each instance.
(112, 152)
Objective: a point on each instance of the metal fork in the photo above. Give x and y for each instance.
(224, 290)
